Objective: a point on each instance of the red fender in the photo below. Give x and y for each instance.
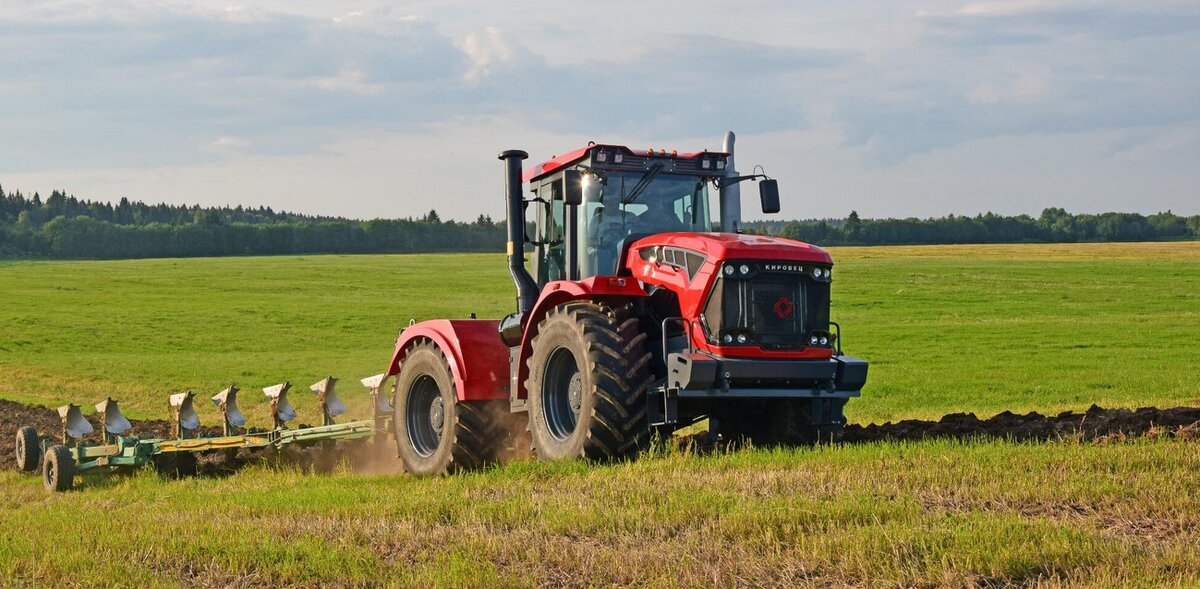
(560, 291)
(484, 376)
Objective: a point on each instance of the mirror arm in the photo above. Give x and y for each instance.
(723, 182)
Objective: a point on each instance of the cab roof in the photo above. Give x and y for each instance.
(575, 156)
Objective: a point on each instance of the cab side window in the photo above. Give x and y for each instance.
(551, 230)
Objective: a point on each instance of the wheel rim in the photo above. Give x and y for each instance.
(20, 450)
(426, 415)
(50, 471)
(562, 394)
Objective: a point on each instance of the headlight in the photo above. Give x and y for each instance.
(728, 339)
(741, 338)
(814, 340)
(816, 273)
(824, 341)
(744, 269)
(729, 270)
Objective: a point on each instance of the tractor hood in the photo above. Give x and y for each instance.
(729, 246)
(771, 306)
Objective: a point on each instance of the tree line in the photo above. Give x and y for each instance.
(1054, 225)
(63, 226)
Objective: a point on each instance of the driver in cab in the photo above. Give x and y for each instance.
(660, 217)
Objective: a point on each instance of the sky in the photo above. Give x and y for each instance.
(365, 109)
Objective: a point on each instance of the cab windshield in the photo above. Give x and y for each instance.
(621, 206)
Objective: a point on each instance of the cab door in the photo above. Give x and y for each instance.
(549, 260)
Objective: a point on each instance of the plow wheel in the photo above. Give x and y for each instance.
(435, 432)
(588, 374)
(29, 449)
(58, 469)
(782, 422)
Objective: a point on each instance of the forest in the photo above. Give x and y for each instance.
(1054, 225)
(63, 226)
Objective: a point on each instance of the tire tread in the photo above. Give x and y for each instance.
(473, 425)
(619, 365)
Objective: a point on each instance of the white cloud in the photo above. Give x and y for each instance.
(228, 144)
(1007, 8)
(1157, 143)
(486, 50)
(347, 80)
(1024, 89)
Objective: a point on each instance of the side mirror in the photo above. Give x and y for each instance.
(768, 193)
(573, 189)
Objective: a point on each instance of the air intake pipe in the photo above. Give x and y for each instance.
(526, 288)
(731, 195)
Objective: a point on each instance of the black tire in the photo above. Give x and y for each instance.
(782, 422)
(435, 432)
(58, 469)
(29, 449)
(588, 373)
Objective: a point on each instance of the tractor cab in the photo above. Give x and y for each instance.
(591, 203)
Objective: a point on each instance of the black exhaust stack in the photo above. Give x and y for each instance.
(526, 288)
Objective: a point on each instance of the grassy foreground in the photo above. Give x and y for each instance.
(1121, 514)
(946, 328)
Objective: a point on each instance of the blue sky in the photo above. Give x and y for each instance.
(386, 109)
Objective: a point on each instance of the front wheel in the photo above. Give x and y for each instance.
(588, 373)
(58, 469)
(435, 432)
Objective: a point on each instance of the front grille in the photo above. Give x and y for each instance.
(773, 306)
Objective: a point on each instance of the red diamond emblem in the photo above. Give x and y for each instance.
(783, 307)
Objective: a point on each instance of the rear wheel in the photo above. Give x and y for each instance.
(58, 469)
(782, 422)
(588, 373)
(29, 449)
(435, 432)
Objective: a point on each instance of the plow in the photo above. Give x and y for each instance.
(641, 309)
(60, 458)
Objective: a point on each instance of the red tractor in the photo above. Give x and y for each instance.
(634, 317)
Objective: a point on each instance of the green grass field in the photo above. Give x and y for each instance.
(955, 328)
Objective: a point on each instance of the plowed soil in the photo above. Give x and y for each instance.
(1096, 423)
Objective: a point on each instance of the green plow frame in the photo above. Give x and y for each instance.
(60, 459)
